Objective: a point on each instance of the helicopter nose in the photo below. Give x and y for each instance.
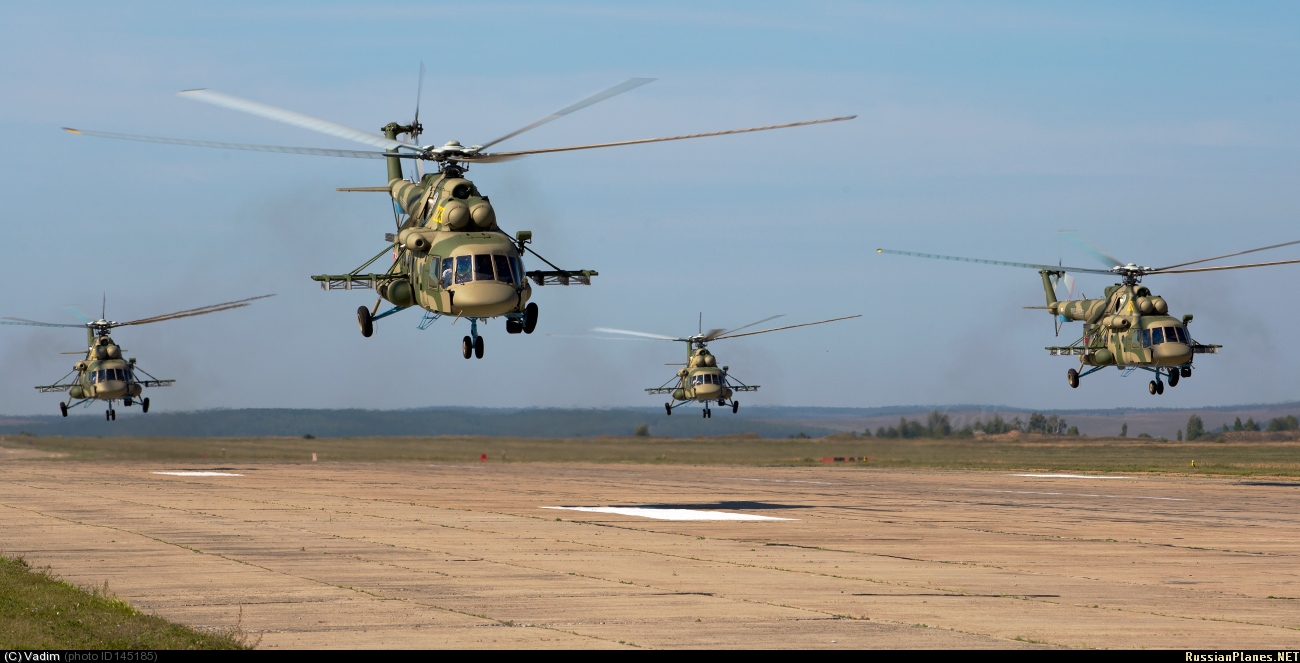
(707, 391)
(485, 298)
(1171, 354)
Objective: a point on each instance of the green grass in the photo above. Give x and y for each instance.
(1233, 457)
(38, 611)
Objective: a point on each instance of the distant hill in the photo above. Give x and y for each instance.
(767, 422)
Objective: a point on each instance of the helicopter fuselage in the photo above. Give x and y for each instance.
(1130, 327)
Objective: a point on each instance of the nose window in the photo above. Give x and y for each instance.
(503, 269)
(464, 269)
(483, 268)
(1182, 335)
(1171, 336)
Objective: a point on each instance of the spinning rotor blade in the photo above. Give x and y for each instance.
(290, 117)
(658, 337)
(318, 151)
(997, 262)
(500, 155)
(806, 324)
(1229, 255)
(629, 84)
(1216, 269)
(1091, 249)
(711, 337)
(33, 323)
(76, 310)
(214, 308)
(416, 129)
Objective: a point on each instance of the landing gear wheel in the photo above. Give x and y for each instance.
(530, 318)
(1185, 371)
(1073, 377)
(514, 326)
(363, 319)
(1160, 387)
(114, 413)
(106, 415)
(1152, 387)
(478, 347)
(668, 407)
(735, 407)
(63, 408)
(1173, 377)
(704, 414)
(466, 347)
(126, 402)
(144, 405)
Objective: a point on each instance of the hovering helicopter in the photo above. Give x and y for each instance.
(104, 375)
(451, 258)
(702, 380)
(1129, 328)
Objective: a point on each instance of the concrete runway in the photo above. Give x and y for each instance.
(452, 555)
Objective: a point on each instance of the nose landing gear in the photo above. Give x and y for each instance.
(110, 415)
(472, 344)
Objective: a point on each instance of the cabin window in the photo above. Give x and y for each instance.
(1182, 335)
(447, 271)
(1171, 336)
(1157, 336)
(101, 375)
(432, 272)
(483, 268)
(464, 269)
(92, 377)
(1146, 338)
(503, 269)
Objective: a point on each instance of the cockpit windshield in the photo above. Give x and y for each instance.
(705, 378)
(1158, 335)
(484, 267)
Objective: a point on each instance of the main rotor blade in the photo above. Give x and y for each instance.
(660, 337)
(660, 140)
(729, 331)
(806, 324)
(213, 308)
(318, 151)
(290, 117)
(419, 91)
(76, 311)
(1091, 249)
(33, 323)
(629, 84)
(1216, 269)
(1003, 263)
(1228, 255)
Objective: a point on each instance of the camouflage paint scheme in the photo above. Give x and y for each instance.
(1114, 328)
(103, 354)
(447, 217)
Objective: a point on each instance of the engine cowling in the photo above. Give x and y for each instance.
(483, 215)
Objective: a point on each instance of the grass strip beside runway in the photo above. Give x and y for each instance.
(1056, 453)
(38, 611)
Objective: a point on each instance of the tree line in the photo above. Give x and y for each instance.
(1196, 426)
(937, 425)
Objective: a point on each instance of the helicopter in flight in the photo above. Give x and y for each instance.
(703, 380)
(104, 374)
(1129, 327)
(451, 258)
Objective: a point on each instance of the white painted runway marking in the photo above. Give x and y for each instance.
(1069, 476)
(666, 514)
(1133, 497)
(201, 474)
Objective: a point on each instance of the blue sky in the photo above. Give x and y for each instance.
(1165, 132)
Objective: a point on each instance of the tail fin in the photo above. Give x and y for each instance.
(1048, 288)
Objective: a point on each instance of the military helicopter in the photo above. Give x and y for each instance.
(702, 380)
(1129, 328)
(104, 375)
(451, 258)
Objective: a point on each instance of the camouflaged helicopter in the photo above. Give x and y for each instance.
(105, 375)
(702, 380)
(451, 258)
(1129, 328)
